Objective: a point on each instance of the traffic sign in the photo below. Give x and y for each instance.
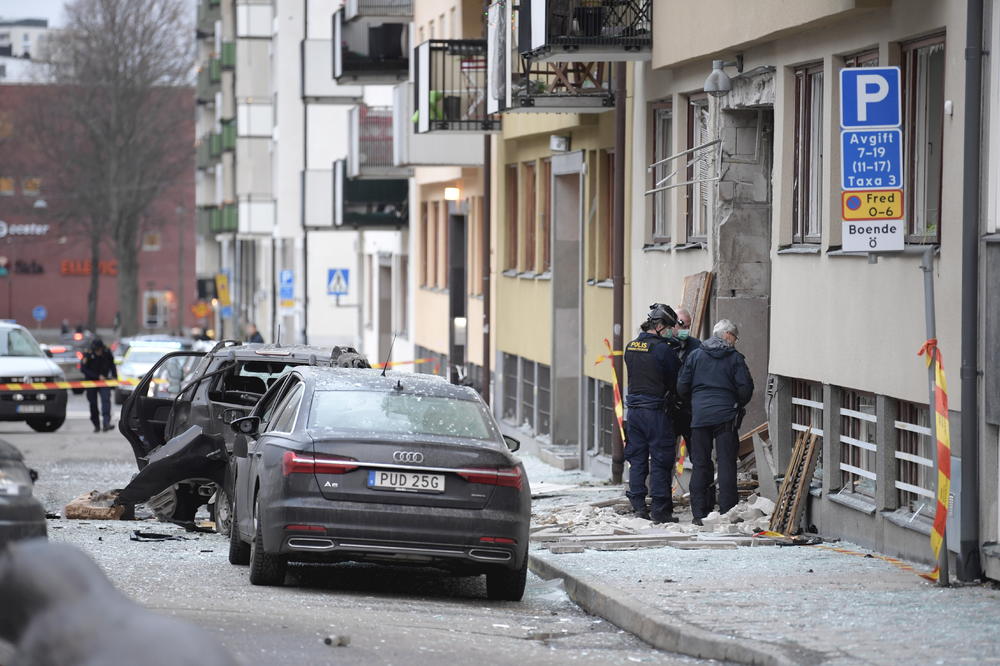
(226, 311)
(872, 205)
(870, 97)
(337, 281)
(871, 159)
(201, 309)
(39, 313)
(222, 289)
(881, 236)
(286, 292)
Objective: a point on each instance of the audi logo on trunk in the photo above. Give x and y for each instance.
(408, 456)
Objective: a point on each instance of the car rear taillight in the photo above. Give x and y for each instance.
(497, 540)
(305, 528)
(79, 355)
(296, 462)
(509, 477)
(57, 350)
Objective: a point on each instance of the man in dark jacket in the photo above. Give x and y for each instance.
(718, 381)
(98, 364)
(652, 372)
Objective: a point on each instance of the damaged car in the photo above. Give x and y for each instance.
(181, 438)
(337, 465)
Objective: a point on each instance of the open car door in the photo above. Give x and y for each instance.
(144, 418)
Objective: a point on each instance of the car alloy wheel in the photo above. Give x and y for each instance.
(43, 424)
(265, 568)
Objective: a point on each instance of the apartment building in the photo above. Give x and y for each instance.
(552, 65)
(831, 336)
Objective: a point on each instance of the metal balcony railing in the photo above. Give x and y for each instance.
(208, 13)
(519, 83)
(605, 30)
(215, 144)
(368, 203)
(370, 51)
(230, 218)
(215, 70)
(451, 86)
(228, 55)
(203, 156)
(375, 137)
(206, 88)
(228, 135)
(378, 8)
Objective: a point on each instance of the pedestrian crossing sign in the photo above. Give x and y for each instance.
(337, 280)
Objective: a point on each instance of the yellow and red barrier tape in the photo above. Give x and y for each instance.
(941, 429)
(416, 361)
(83, 383)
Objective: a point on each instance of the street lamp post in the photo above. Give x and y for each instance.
(180, 270)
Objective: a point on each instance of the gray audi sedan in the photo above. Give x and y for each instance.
(338, 464)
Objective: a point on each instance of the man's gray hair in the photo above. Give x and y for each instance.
(725, 326)
(681, 310)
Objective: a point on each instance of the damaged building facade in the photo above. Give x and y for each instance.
(831, 337)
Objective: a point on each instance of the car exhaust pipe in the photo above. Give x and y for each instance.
(490, 555)
(311, 544)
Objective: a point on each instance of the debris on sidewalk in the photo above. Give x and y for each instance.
(139, 535)
(94, 506)
(791, 502)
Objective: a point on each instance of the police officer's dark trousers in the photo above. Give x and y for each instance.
(726, 443)
(650, 440)
(95, 416)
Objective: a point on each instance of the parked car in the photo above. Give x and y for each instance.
(21, 514)
(349, 465)
(23, 361)
(140, 357)
(178, 471)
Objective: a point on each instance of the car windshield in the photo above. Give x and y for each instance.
(379, 412)
(145, 355)
(20, 343)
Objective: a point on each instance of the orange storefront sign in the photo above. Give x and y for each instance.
(85, 267)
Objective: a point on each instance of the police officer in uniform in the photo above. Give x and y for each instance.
(652, 372)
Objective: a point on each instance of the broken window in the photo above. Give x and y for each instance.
(511, 246)
(858, 448)
(600, 416)
(914, 459)
(529, 204)
(663, 147)
(510, 387)
(528, 393)
(700, 169)
(807, 188)
(923, 132)
(543, 399)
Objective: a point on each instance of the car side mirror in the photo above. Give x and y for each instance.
(230, 415)
(512, 443)
(48, 352)
(240, 446)
(248, 425)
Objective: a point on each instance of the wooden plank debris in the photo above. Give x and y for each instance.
(795, 486)
(697, 288)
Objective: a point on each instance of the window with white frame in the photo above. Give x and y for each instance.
(663, 147)
(923, 122)
(807, 413)
(807, 186)
(858, 447)
(914, 459)
(699, 192)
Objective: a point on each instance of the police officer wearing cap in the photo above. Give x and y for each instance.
(652, 372)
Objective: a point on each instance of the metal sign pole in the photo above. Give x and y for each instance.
(927, 266)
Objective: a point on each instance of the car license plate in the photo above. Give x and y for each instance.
(411, 482)
(31, 409)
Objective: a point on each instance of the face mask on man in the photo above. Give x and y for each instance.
(683, 333)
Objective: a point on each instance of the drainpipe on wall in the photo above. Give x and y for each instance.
(618, 257)
(485, 238)
(969, 567)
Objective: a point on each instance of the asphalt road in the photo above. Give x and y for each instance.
(388, 615)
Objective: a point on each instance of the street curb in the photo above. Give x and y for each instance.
(659, 629)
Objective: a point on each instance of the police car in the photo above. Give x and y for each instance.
(23, 361)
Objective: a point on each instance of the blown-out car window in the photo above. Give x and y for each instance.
(285, 413)
(20, 343)
(380, 412)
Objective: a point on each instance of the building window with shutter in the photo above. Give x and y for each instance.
(923, 131)
(699, 170)
(529, 204)
(511, 224)
(546, 212)
(663, 147)
(807, 186)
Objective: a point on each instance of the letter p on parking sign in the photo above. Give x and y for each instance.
(870, 97)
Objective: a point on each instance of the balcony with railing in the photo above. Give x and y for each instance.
(228, 56)
(318, 84)
(206, 87)
(598, 30)
(209, 11)
(256, 214)
(228, 135)
(519, 82)
(370, 144)
(398, 9)
(370, 50)
(411, 148)
(451, 87)
(203, 154)
(365, 203)
(223, 219)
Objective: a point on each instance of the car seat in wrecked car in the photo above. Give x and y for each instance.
(348, 357)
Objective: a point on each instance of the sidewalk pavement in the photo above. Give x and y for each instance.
(834, 603)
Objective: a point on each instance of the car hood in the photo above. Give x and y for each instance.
(135, 369)
(24, 366)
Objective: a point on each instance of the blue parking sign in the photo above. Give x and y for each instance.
(39, 313)
(870, 97)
